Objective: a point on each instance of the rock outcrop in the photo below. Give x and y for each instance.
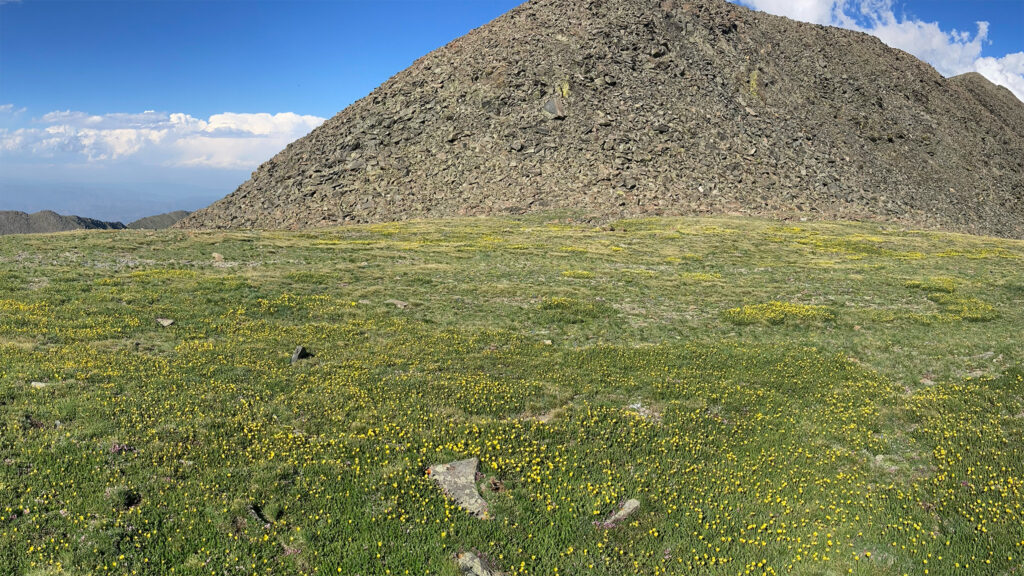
(159, 221)
(612, 108)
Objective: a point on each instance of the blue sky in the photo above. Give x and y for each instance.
(120, 109)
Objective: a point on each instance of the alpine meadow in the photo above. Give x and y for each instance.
(595, 288)
(779, 398)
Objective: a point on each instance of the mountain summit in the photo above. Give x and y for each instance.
(644, 107)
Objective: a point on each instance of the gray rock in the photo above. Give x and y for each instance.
(472, 565)
(644, 412)
(628, 508)
(300, 353)
(397, 303)
(554, 108)
(458, 481)
(165, 322)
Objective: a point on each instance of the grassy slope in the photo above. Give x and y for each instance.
(876, 425)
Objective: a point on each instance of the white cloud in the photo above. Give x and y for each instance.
(950, 52)
(814, 11)
(1007, 71)
(10, 110)
(229, 140)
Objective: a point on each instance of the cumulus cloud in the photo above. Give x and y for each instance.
(951, 52)
(229, 140)
(1007, 71)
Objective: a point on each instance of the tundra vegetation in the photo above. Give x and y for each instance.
(806, 399)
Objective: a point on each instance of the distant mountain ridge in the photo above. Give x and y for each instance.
(48, 221)
(159, 221)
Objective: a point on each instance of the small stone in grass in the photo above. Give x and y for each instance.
(472, 565)
(300, 353)
(165, 322)
(628, 508)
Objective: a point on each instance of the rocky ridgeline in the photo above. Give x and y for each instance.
(646, 107)
(159, 221)
(47, 221)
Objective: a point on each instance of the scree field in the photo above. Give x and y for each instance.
(781, 399)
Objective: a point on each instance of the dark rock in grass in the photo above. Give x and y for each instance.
(472, 565)
(300, 353)
(495, 485)
(119, 448)
(257, 513)
(28, 422)
(123, 497)
(458, 481)
(628, 508)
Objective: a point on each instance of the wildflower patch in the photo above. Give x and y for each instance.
(776, 313)
(564, 310)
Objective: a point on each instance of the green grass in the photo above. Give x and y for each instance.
(817, 399)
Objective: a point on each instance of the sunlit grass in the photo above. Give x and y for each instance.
(812, 399)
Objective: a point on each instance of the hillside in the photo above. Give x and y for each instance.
(641, 107)
(159, 221)
(46, 221)
(778, 399)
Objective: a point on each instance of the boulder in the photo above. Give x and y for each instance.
(458, 482)
(300, 353)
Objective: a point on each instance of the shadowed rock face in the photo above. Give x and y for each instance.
(644, 107)
(46, 221)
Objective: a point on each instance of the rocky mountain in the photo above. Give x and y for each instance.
(645, 107)
(46, 221)
(159, 221)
